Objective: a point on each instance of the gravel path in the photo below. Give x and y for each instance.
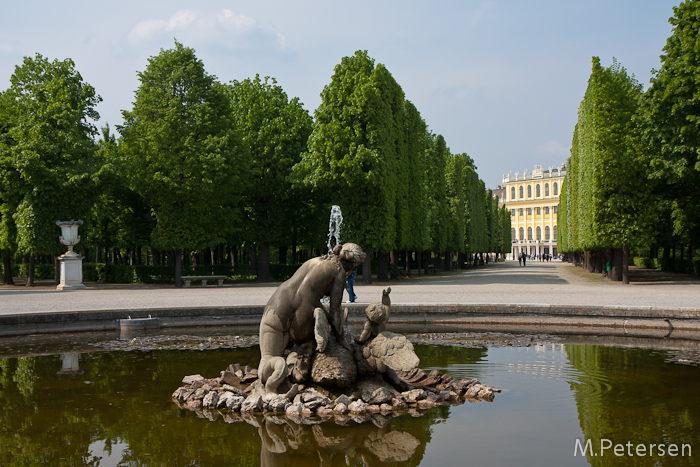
(552, 283)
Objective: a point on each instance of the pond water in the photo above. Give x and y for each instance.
(113, 408)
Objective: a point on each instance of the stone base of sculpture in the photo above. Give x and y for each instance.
(71, 271)
(370, 400)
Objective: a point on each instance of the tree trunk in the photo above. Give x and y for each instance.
(264, 263)
(407, 266)
(598, 260)
(253, 261)
(617, 265)
(419, 256)
(394, 256)
(382, 270)
(367, 267)
(30, 271)
(57, 270)
(178, 267)
(282, 256)
(590, 262)
(156, 257)
(625, 264)
(7, 269)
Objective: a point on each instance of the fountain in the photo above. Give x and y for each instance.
(311, 367)
(334, 224)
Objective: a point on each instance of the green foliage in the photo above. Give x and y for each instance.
(184, 154)
(353, 156)
(606, 200)
(436, 188)
(275, 130)
(47, 163)
(671, 120)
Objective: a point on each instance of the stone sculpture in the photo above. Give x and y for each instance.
(377, 315)
(295, 308)
(305, 351)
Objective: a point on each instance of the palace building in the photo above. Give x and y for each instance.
(533, 199)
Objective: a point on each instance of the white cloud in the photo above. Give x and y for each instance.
(228, 28)
(151, 28)
(551, 148)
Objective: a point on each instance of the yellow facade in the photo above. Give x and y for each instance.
(533, 201)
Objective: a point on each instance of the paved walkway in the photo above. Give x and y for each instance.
(507, 283)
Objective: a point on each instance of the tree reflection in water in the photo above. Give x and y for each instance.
(121, 402)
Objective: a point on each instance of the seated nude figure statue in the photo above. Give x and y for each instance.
(291, 313)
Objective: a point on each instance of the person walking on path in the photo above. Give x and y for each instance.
(350, 287)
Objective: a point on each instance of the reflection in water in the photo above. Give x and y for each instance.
(119, 412)
(629, 396)
(287, 444)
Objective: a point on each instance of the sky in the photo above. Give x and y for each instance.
(501, 80)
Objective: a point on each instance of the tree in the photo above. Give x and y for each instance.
(606, 200)
(353, 157)
(275, 131)
(436, 187)
(184, 154)
(670, 113)
(47, 154)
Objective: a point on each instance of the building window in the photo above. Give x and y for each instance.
(555, 209)
(546, 189)
(521, 192)
(529, 211)
(539, 233)
(538, 211)
(522, 234)
(512, 212)
(529, 233)
(537, 190)
(512, 192)
(546, 233)
(521, 212)
(512, 234)
(546, 209)
(556, 189)
(529, 191)
(555, 232)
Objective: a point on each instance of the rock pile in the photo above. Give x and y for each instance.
(238, 390)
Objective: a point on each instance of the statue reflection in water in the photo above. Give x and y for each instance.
(285, 443)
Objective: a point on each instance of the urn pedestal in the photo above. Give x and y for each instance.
(71, 271)
(71, 262)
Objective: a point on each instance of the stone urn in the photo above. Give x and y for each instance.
(71, 262)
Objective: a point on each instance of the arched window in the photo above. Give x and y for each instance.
(521, 191)
(546, 189)
(539, 233)
(537, 190)
(512, 234)
(556, 189)
(512, 192)
(546, 232)
(555, 232)
(529, 191)
(529, 233)
(522, 234)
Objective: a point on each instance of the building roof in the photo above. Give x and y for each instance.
(536, 174)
